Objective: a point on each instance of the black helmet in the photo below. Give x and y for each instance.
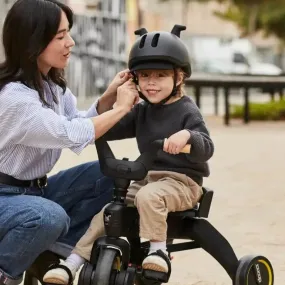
(159, 50)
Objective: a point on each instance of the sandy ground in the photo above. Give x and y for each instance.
(247, 176)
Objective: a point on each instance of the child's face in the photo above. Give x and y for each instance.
(156, 85)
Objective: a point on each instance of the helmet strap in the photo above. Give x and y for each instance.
(136, 81)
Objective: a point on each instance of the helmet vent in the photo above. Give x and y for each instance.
(154, 41)
(142, 41)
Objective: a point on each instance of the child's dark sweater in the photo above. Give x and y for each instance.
(151, 122)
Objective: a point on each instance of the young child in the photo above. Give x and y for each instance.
(159, 62)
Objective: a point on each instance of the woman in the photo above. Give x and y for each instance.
(38, 118)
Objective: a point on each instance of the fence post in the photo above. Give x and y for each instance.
(198, 96)
(227, 107)
(246, 106)
(216, 100)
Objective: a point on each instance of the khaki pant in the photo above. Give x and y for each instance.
(159, 193)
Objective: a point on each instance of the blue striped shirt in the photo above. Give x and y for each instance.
(32, 135)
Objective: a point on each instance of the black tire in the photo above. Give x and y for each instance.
(254, 269)
(85, 276)
(107, 267)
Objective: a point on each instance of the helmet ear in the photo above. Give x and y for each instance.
(141, 32)
(176, 30)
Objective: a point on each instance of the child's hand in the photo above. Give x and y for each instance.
(175, 143)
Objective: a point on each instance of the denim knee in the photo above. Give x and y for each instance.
(50, 218)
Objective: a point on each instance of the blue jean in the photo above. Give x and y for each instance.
(32, 219)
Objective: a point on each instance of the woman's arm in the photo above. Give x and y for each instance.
(101, 105)
(127, 96)
(30, 124)
(108, 120)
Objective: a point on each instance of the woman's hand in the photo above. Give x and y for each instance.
(120, 78)
(175, 143)
(107, 100)
(127, 95)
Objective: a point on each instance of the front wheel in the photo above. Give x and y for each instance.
(254, 269)
(107, 267)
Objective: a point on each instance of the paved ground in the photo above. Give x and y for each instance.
(248, 206)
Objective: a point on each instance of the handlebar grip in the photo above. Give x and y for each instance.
(186, 149)
(158, 144)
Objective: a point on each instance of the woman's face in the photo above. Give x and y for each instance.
(57, 52)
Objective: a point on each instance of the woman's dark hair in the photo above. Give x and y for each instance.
(29, 27)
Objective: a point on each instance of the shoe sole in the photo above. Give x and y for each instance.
(154, 267)
(55, 281)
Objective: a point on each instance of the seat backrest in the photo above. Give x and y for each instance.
(205, 203)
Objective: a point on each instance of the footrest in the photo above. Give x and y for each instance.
(156, 276)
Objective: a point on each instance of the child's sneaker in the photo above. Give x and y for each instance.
(60, 274)
(157, 261)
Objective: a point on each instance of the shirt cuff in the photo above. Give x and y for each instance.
(90, 137)
(92, 112)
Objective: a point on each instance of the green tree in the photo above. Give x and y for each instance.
(272, 18)
(243, 13)
(250, 16)
(254, 15)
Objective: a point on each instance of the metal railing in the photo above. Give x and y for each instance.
(269, 84)
(100, 50)
(4, 7)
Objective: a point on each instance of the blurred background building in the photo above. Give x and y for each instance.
(104, 31)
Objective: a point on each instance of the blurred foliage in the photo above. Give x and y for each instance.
(252, 16)
(270, 111)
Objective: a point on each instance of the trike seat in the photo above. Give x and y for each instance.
(202, 209)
